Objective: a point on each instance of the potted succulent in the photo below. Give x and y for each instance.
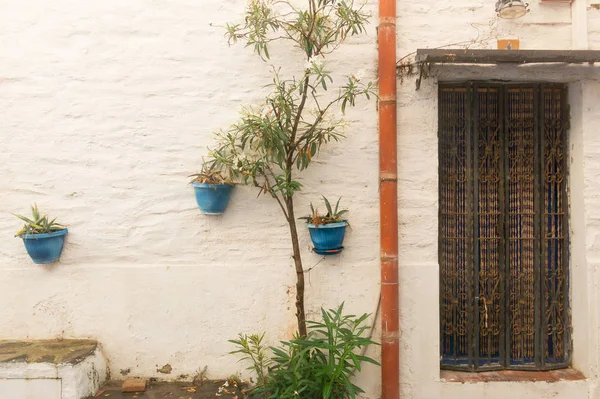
(43, 238)
(327, 231)
(213, 189)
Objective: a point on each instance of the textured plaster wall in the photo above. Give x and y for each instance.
(419, 355)
(455, 24)
(593, 21)
(108, 106)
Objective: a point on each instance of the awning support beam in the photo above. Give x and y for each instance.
(466, 56)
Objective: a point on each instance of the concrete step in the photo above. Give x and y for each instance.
(51, 369)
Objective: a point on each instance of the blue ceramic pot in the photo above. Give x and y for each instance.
(212, 199)
(44, 248)
(327, 238)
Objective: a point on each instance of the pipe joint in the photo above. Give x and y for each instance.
(387, 21)
(390, 337)
(388, 177)
(387, 98)
(388, 258)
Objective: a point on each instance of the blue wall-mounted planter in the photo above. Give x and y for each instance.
(44, 248)
(212, 199)
(327, 238)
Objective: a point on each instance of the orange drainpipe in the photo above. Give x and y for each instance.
(388, 202)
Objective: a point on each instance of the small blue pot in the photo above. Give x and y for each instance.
(327, 238)
(212, 199)
(45, 248)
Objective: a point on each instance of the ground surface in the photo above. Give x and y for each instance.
(46, 351)
(219, 389)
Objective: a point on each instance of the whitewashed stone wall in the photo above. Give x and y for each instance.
(108, 106)
(434, 24)
(419, 278)
(593, 21)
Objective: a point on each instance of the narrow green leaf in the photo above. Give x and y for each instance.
(355, 361)
(327, 390)
(328, 206)
(23, 218)
(367, 359)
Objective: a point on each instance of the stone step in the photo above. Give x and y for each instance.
(205, 389)
(51, 369)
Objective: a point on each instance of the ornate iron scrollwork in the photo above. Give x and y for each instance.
(503, 226)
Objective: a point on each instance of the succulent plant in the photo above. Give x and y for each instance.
(210, 176)
(332, 216)
(38, 224)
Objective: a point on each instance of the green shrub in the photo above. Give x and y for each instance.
(317, 366)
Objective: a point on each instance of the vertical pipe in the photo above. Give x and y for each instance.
(388, 202)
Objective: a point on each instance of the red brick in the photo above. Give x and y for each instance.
(133, 385)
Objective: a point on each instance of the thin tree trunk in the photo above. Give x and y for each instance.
(300, 315)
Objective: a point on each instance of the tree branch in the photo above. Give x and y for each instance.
(274, 194)
(292, 143)
(278, 116)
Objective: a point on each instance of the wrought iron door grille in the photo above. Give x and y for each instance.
(503, 245)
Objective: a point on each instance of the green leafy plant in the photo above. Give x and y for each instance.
(332, 215)
(220, 165)
(319, 365)
(252, 349)
(277, 139)
(38, 224)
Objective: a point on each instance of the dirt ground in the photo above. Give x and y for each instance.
(217, 389)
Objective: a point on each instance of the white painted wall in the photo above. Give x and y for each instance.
(419, 279)
(108, 106)
(30, 389)
(21, 380)
(593, 23)
(546, 27)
